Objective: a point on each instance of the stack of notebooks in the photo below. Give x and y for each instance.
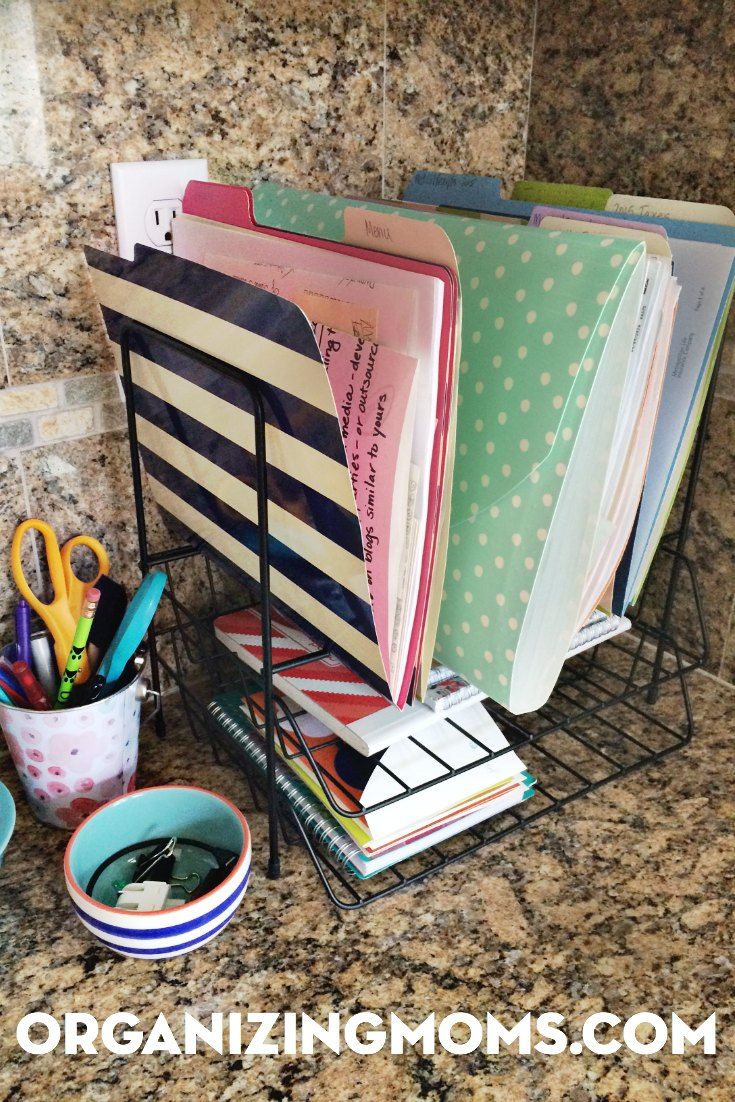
(374, 784)
(478, 411)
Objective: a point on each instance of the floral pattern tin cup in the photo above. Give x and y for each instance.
(71, 761)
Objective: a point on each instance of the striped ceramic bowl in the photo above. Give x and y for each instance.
(7, 819)
(170, 810)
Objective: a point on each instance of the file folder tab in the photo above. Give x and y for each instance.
(450, 190)
(562, 195)
(678, 209)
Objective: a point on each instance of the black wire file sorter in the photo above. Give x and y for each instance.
(601, 723)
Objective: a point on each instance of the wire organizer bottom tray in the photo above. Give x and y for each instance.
(601, 723)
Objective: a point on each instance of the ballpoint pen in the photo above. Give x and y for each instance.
(9, 681)
(23, 632)
(35, 695)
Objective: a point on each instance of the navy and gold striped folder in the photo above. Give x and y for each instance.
(197, 438)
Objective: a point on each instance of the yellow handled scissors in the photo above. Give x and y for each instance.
(62, 613)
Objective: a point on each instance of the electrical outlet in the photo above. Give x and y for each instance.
(158, 219)
(147, 196)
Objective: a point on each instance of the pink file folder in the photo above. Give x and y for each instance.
(233, 206)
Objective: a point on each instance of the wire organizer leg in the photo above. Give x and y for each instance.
(147, 560)
(679, 538)
(598, 726)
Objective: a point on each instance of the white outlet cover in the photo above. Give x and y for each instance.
(139, 189)
(158, 219)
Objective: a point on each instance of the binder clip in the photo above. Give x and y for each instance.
(150, 895)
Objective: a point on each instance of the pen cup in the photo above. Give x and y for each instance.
(73, 760)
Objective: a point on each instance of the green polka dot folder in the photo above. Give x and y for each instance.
(547, 325)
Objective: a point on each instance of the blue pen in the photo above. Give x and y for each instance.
(4, 698)
(23, 632)
(9, 681)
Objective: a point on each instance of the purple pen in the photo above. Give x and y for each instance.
(23, 632)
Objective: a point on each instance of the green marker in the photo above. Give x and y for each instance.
(76, 654)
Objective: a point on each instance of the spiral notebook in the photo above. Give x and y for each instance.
(226, 709)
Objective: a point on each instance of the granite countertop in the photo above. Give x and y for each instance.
(623, 901)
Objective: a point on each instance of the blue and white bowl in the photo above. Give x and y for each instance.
(7, 819)
(170, 810)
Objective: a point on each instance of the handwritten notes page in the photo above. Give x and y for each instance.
(318, 296)
(375, 394)
(397, 308)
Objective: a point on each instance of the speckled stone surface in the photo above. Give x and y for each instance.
(457, 87)
(713, 537)
(711, 547)
(623, 901)
(636, 97)
(263, 92)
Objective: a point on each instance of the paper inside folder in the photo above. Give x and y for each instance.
(642, 394)
(426, 329)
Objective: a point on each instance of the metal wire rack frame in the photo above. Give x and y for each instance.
(601, 723)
